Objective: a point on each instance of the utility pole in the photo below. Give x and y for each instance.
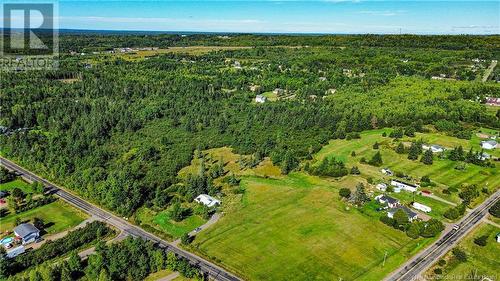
(385, 257)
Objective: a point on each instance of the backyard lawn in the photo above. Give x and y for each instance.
(58, 216)
(162, 221)
(481, 261)
(296, 228)
(19, 183)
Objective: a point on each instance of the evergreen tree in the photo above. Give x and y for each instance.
(414, 151)
(376, 159)
(427, 157)
(360, 196)
(400, 149)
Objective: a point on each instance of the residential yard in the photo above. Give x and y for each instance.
(19, 183)
(481, 261)
(438, 208)
(296, 228)
(162, 222)
(58, 216)
(441, 172)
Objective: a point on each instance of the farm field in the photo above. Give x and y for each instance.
(58, 216)
(296, 228)
(481, 261)
(441, 172)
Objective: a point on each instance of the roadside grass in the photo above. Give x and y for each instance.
(481, 261)
(296, 228)
(158, 275)
(19, 183)
(162, 221)
(441, 171)
(58, 216)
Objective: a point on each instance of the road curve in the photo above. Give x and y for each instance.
(214, 271)
(415, 267)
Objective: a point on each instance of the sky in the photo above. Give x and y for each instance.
(285, 16)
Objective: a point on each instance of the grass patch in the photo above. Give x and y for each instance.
(157, 275)
(438, 208)
(162, 221)
(296, 228)
(19, 183)
(58, 216)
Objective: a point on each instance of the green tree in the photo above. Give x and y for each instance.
(481, 240)
(427, 157)
(360, 196)
(400, 217)
(495, 209)
(459, 254)
(345, 192)
(413, 230)
(375, 145)
(104, 276)
(75, 262)
(414, 151)
(176, 212)
(376, 159)
(400, 149)
(355, 170)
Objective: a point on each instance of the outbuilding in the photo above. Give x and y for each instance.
(405, 186)
(421, 207)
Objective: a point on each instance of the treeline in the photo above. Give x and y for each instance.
(130, 259)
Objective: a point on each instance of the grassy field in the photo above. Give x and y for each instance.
(161, 221)
(296, 228)
(58, 216)
(481, 261)
(441, 172)
(157, 275)
(24, 186)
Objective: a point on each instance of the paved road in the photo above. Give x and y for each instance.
(414, 268)
(489, 70)
(207, 267)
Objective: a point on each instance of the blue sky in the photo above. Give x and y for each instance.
(328, 16)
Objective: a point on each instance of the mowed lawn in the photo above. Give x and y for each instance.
(441, 171)
(296, 228)
(58, 216)
(163, 222)
(481, 261)
(24, 186)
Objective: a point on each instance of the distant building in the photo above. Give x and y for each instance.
(331, 91)
(484, 156)
(405, 186)
(386, 171)
(278, 91)
(322, 79)
(434, 148)
(260, 99)
(493, 101)
(12, 253)
(3, 194)
(489, 144)
(411, 214)
(207, 200)
(27, 232)
(381, 186)
(421, 207)
(384, 199)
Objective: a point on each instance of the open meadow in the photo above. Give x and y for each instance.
(296, 228)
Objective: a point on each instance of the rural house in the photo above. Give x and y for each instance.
(384, 199)
(207, 200)
(381, 186)
(386, 171)
(27, 232)
(489, 144)
(411, 214)
(403, 185)
(434, 148)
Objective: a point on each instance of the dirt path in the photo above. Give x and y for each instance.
(435, 197)
(215, 217)
(488, 71)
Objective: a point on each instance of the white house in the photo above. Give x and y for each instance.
(278, 91)
(421, 207)
(381, 186)
(498, 237)
(384, 199)
(405, 186)
(27, 232)
(411, 214)
(489, 144)
(260, 99)
(207, 200)
(484, 156)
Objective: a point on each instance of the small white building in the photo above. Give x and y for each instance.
(489, 144)
(484, 156)
(405, 186)
(421, 207)
(207, 200)
(381, 186)
(260, 99)
(498, 237)
(386, 171)
(278, 91)
(434, 148)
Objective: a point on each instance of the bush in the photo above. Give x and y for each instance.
(481, 240)
(345, 192)
(459, 254)
(451, 213)
(438, 271)
(441, 262)
(495, 209)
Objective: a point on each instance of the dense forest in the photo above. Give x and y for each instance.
(117, 131)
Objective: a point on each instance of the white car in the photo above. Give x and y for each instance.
(456, 227)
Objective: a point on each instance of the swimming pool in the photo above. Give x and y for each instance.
(6, 240)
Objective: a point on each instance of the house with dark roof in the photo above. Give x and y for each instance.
(411, 214)
(27, 232)
(384, 199)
